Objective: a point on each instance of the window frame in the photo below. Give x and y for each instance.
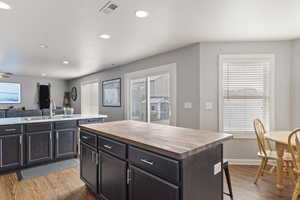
(248, 58)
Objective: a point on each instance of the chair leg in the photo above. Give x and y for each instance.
(264, 167)
(228, 179)
(260, 170)
(291, 172)
(296, 193)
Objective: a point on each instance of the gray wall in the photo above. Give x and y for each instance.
(187, 60)
(295, 85)
(209, 60)
(29, 90)
(197, 79)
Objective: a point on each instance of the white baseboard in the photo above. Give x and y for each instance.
(247, 162)
(243, 161)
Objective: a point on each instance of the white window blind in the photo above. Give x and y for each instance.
(246, 94)
(90, 98)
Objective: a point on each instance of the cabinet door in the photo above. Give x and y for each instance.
(148, 187)
(11, 151)
(88, 166)
(39, 147)
(66, 141)
(112, 177)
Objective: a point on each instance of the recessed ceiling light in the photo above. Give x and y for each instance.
(66, 62)
(44, 74)
(4, 6)
(141, 14)
(43, 46)
(105, 36)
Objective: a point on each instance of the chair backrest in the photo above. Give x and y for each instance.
(14, 113)
(32, 113)
(2, 114)
(260, 135)
(46, 112)
(294, 147)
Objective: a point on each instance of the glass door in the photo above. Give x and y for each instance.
(150, 96)
(159, 99)
(138, 99)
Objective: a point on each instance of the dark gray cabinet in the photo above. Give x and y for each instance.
(144, 185)
(30, 144)
(66, 143)
(112, 177)
(89, 166)
(11, 151)
(39, 147)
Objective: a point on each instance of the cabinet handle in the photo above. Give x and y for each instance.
(84, 137)
(107, 146)
(147, 162)
(93, 156)
(1, 159)
(97, 158)
(21, 150)
(21, 139)
(128, 176)
(10, 129)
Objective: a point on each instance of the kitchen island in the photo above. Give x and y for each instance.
(140, 161)
(37, 140)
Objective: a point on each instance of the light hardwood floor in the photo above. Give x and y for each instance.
(66, 185)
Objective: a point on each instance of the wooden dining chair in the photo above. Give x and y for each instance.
(294, 148)
(266, 151)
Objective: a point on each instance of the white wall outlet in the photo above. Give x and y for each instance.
(217, 168)
(209, 105)
(188, 105)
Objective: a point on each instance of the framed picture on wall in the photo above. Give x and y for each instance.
(111, 93)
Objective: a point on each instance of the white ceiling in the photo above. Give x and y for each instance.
(70, 28)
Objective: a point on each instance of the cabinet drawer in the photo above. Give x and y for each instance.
(65, 124)
(113, 147)
(37, 127)
(161, 166)
(90, 121)
(88, 138)
(10, 129)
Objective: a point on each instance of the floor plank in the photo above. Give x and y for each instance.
(66, 185)
(244, 189)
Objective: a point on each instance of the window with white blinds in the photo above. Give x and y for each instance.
(245, 92)
(90, 98)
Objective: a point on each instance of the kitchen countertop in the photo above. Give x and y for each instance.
(175, 142)
(39, 119)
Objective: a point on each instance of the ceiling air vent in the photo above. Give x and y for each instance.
(108, 7)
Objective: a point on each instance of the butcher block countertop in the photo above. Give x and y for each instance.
(175, 142)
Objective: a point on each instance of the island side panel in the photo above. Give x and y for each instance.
(198, 175)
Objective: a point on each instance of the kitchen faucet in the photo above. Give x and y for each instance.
(52, 107)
